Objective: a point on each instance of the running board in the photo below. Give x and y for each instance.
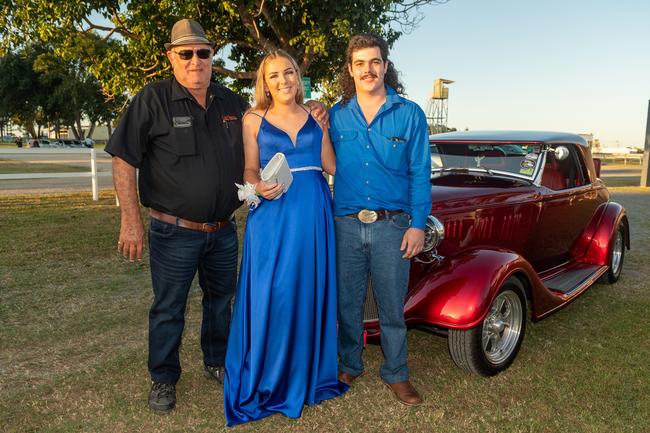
(575, 280)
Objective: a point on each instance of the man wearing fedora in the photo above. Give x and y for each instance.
(184, 136)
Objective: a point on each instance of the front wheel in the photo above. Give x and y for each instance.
(492, 346)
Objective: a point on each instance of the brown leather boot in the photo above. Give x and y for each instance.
(348, 378)
(405, 393)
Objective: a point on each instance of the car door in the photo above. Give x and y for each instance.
(568, 205)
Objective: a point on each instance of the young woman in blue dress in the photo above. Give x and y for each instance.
(282, 350)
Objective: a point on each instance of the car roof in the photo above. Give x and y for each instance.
(514, 136)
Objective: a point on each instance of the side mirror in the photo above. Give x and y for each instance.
(561, 152)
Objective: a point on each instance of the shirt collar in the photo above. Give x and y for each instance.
(392, 98)
(180, 92)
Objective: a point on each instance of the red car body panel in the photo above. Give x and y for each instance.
(495, 230)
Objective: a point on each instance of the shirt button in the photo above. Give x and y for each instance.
(367, 147)
(367, 182)
(366, 164)
(368, 197)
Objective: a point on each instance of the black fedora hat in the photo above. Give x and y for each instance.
(187, 32)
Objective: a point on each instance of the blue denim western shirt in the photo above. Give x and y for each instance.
(385, 164)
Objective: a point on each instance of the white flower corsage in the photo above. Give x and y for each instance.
(246, 192)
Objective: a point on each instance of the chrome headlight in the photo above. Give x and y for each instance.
(434, 233)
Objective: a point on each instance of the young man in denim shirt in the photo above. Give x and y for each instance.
(381, 202)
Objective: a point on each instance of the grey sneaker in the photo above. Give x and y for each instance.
(162, 397)
(214, 373)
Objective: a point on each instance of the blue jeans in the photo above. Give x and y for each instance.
(176, 254)
(374, 249)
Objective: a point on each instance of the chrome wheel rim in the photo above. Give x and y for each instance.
(502, 327)
(617, 252)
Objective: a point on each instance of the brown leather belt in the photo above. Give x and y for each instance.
(370, 216)
(201, 227)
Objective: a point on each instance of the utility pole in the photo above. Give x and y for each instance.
(645, 172)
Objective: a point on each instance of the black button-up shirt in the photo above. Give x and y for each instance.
(189, 157)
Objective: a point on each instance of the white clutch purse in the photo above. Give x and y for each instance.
(277, 171)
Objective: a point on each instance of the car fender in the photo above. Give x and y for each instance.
(598, 251)
(457, 293)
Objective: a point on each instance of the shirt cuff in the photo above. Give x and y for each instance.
(419, 221)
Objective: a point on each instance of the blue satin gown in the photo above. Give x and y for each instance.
(282, 346)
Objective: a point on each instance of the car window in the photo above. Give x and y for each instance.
(564, 173)
(518, 160)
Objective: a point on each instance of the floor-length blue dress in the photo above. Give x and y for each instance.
(282, 346)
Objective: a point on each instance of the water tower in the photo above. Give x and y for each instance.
(437, 106)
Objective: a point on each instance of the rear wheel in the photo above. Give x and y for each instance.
(492, 346)
(616, 256)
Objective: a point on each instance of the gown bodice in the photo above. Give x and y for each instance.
(306, 152)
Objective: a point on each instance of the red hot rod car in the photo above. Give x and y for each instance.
(520, 226)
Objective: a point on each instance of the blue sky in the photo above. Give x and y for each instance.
(568, 65)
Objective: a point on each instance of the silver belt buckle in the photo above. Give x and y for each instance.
(367, 216)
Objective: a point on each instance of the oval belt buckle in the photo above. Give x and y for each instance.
(367, 216)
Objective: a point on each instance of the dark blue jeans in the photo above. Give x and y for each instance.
(176, 254)
(374, 249)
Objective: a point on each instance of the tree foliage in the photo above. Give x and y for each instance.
(39, 88)
(315, 32)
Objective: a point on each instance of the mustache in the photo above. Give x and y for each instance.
(368, 75)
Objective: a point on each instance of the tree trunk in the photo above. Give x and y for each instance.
(91, 130)
(109, 127)
(74, 131)
(79, 135)
(30, 130)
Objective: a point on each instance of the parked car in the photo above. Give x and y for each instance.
(520, 226)
(57, 143)
(70, 143)
(39, 142)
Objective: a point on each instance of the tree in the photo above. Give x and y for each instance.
(21, 96)
(315, 32)
(38, 88)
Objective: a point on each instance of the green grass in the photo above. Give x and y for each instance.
(8, 166)
(73, 333)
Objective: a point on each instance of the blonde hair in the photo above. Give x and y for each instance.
(263, 99)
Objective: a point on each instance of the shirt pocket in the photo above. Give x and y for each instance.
(183, 141)
(393, 152)
(342, 136)
(233, 128)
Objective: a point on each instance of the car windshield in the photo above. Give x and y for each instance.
(505, 159)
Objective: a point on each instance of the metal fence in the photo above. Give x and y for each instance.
(41, 151)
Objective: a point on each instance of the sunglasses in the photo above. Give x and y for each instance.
(203, 53)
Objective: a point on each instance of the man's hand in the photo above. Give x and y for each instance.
(131, 241)
(412, 242)
(319, 112)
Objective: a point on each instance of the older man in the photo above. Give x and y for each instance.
(184, 136)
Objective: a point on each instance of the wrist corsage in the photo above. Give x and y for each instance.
(247, 193)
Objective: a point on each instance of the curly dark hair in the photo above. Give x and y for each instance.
(359, 42)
